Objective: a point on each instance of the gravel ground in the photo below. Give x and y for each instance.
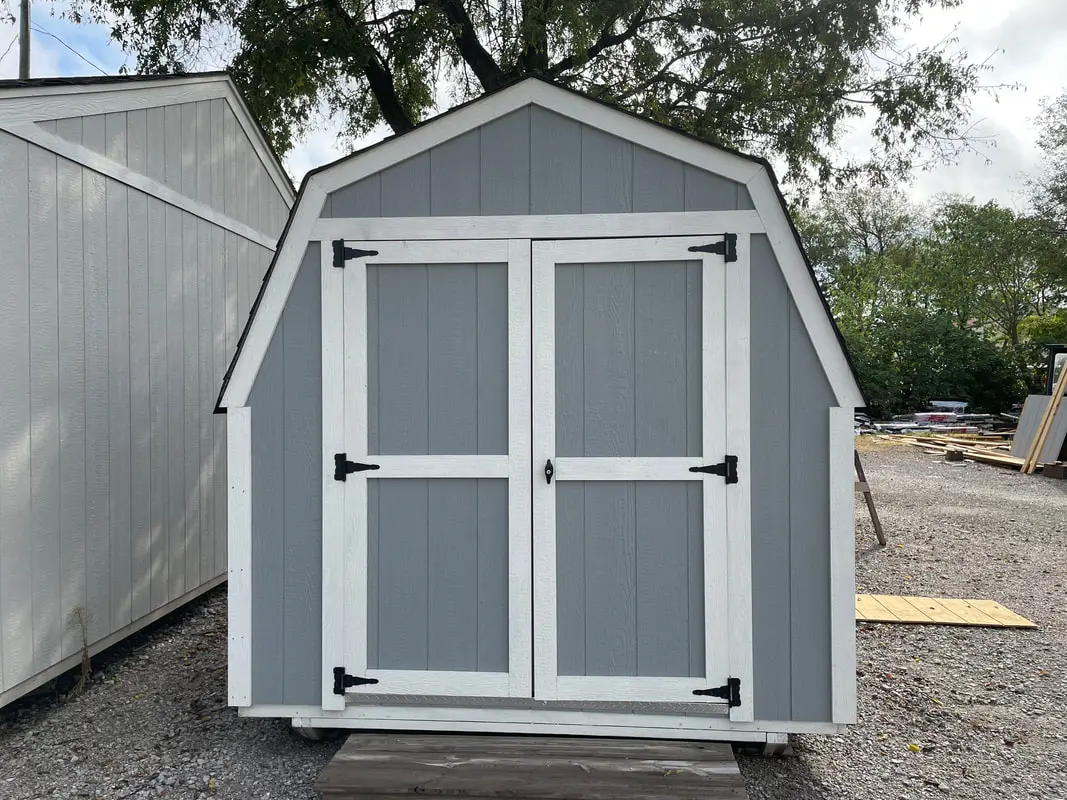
(944, 712)
(950, 712)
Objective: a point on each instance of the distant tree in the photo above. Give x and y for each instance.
(1049, 189)
(781, 77)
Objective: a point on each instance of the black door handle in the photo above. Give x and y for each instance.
(549, 471)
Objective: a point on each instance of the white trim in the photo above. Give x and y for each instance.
(804, 292)
(437, 466)
(533, 92)
(628, 249)
(239, 557)
(440, 683)
(520, 473)
(842, 566)
(335, 622)
(715, 535)
(585, 226)
(643, 468)
(105, 166)
(738, 496)
(633, 689)
(550, 721)
(443, 251)
(33, 104)
(543, 291)
(275, 293)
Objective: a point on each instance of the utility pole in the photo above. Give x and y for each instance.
(24, 39)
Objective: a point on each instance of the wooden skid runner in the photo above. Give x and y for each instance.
(937, 611)
(516, 767)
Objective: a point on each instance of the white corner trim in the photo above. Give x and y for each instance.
(804, 291)
(239, 556)
(275, 293)
(739, 495)
(842, 566)
(493, 106)
(336, 626)
(79, 154)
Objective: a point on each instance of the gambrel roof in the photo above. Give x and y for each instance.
(753, 172)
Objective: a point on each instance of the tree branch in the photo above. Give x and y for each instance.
(604, 41)
(477, 57)
(377, 73)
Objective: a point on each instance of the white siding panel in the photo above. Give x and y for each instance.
(97, 418)
(71, 399)
(118, 338)
(218, 154)
(115, 136)
(191, 403)
(205, 381)
(221, 356)
(16, 612)
(204, 149)
(70, 129)
(172, 145)
(175, 404)
(44, 404)
(140, 409)
(188, 183)
(158, 403)
(229, 149)
(136, 141)
(157, 146)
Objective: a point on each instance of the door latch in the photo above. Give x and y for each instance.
(549, 471)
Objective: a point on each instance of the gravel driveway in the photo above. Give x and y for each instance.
(944, 712)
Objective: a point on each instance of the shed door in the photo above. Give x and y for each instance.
(630, 545)
(436, 397)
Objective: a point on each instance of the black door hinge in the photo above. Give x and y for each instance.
(341, 254)
(727, 248)
(728, 469)
(342, 467)
(731, 692)
(342, 680)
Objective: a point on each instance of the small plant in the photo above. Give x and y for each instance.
(80, 617)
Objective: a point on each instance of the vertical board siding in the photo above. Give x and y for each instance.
(504, 166)
(432, 576)
(43, 429)
(71, 399)
(118, 400)
(97, 414)
(16, 610)
(437, 371)
(286, 533)
(113, 341)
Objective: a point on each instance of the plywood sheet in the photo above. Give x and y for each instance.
(937, 611)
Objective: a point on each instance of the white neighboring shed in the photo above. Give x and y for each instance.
(137, 217)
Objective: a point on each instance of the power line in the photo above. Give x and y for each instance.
(12, 44)
(41, 30)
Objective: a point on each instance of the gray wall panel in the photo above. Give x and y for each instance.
(809, 525)
(452, 342)
(190, 384)
(455, 183)
(607, 173)
(452, 578)
(403, 573)
(769, 308)
(659, 182)
(493, 605)
(406, 188)
(361, 199)
(505, 164)
(302, 431)
(555, 164)
(492, 367)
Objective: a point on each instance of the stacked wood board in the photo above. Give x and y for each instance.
(1030, 421)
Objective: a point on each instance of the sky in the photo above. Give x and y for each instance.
(1025, 42)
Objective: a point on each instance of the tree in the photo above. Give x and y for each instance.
(1049, 190)
(863, 244)
(780, 77)
(992, 263)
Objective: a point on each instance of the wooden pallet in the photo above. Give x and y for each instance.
(537, 767)
(937, 611)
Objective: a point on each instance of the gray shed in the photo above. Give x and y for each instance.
(137, 217)
(540, 424)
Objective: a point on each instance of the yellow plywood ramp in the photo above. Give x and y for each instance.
(937, 611)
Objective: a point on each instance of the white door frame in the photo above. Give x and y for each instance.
(727, 576)
(344, 355)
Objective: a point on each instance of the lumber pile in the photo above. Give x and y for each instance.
(995, 450)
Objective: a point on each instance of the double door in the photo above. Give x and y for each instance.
(531, 478)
